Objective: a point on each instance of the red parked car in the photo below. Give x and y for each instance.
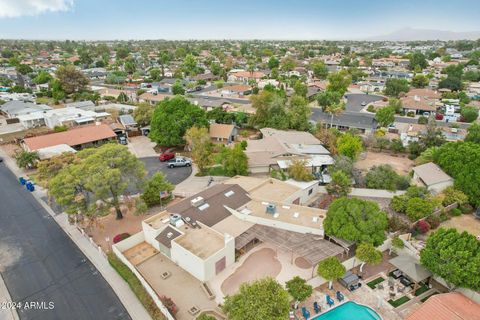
(167, 155)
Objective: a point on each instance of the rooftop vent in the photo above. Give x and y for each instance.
(203, 206)
(229, 193)
(169, 235)
(271, 208)
(198, 201)
(174, 218)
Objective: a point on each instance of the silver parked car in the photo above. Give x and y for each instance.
(179, 162)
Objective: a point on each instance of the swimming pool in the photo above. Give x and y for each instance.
(349, 311)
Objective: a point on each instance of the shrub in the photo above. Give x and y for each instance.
(411, 114)
(120, 237)
(157, 190)
(396, 224)
(423, 226)
(416, 192)
(399, 203)
(438, 116)
(60, 128)
(371, 108)
(466, 209)
(434, 221)
(455, 212)
(418, 208)
(422, 120)
(244, 144)
(451, 195)
(169, 304)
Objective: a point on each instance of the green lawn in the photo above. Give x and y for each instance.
(399, 301)
(426, 298)
(421, 290)
(136, 287)
(373, 283)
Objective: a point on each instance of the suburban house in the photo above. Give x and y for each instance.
(84, 105)
(277, 148)
(223, 133)
(15, 108)
(77, 138)
(245, 76)
(446, 306)
(236, 90)
(128, 123)
(203, 233)
(151, 98)
(432, 177)
(421, 101)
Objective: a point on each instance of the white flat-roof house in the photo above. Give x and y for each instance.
(202, 233)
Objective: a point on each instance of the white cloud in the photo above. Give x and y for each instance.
(18, 8)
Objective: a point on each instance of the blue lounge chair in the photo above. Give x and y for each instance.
(316, 307)
(330, 301)
(340, 296)
(305, 313)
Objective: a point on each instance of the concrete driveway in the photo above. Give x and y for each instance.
(354, 101)
(174, 175)
(141, 147)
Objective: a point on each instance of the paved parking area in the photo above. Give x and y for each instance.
(141, 147)
(354, 101)
(174, 175)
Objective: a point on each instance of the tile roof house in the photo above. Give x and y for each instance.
(421, 101)
(447, 306)
(223, 133)
(152, 98)
(245, 76)
(76, 138)
(432, 177)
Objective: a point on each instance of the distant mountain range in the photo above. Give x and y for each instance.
(411, 34)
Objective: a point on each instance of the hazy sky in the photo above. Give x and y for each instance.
(227, 19)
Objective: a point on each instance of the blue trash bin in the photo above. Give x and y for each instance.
(22, 181)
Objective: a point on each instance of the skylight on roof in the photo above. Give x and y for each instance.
(229, 193)
(203, 206)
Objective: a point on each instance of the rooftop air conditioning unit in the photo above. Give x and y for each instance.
(271, 208)
(196, 202)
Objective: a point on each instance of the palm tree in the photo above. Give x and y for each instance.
(335, 110)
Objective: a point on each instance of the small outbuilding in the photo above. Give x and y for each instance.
(432, 177)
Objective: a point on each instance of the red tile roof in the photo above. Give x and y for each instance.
(72, 137)
(447, 306)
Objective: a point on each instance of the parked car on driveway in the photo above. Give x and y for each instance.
(166, 155)
(179, 162)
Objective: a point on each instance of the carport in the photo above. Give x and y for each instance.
(312, 248)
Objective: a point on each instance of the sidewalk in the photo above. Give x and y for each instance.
(119, 286)
(6, 313)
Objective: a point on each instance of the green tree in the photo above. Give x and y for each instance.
(172, 118)
(367, 253)
(190, 64)
(358, 220)
(451, 82)
(399, 203)
(299, 289)
(418, 62)
(397, 243)
(331, 269)
(24, 69)
(453, 256)
(451, 195)
(341, 184)
(328, 98)
(70, 79)
(95, 184)
(335, 110)
(339, 82)
(298, 113)
(349, 145)
(273, 63)
(153, 191)
(393, 87)
(420, 81)
(319, 69)
(263, 299)
(382, 177)
(418, 208)
(288, 64)
(461, 160)
(469, 113)
(298, 171)
(177, 88)
(26, 159)
(198, 141)
(473, 133)
(49, 168)
(300, 89)
(155, 74)
(270, 110)
(385, 116)
(42, 77)
(235, 161)
(343, 163)
(143, 114)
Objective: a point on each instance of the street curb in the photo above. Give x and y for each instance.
(129, 300)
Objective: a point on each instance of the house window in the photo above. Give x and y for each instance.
(310, 191)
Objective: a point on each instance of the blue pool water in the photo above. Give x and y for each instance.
(349, 311)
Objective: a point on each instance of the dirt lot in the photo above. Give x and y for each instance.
(402, 165)
(465, 222)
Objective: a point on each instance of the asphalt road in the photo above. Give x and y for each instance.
(174, 175)
(354, 101)
(40, 263)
